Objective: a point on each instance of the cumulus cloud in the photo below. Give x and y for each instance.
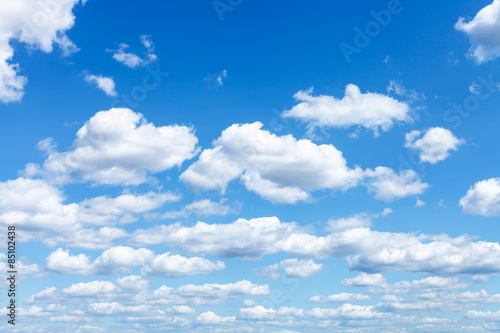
(106, 84)
(204, 207)
(482, 31)
(373, 111)
(38, 24)
(365, 250)
(434, 145)
(364, 280)
(208, 293)
(170, 265)
(388, 185)
(483, 198)
(210, 318)
(340, 298)
(346, 311)
(118, 147)
(122, 259)
(35, 205)
(292, 268)
(283, 169)
(132, 60)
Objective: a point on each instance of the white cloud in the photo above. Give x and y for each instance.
(210, 318)
(366, 250)
(292, 268)
(483, 198)
(39, 24)
(339, 298)
(204, 207)
(209, 293)
(388, 185)
(87, 238)
(370, 110)
(488, 315)
(119, 147)
(364, 280)
(483, 32)
(60, 261)
(36, 206)
(104, 83)
(132, 60)
(280, 169)
(121, 259)
(434, 145)
(283, 169)
(243, 238)
(345, 311)
(182, 309)
(355, 221)
(170, 265)
(217, 80)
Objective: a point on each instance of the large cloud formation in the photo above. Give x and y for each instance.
(38, 23)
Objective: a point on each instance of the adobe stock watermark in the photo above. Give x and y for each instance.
(223, 6)
(373, 28)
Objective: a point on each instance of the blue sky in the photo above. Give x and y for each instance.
(245, 166)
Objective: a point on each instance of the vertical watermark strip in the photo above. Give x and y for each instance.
(11, 273)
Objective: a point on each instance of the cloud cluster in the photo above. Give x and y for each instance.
(122, 259)
(118, 147)
(373, 111)
(34, 204)
(106, 84)
(483, 198)
(283, 169)
(434, 145)
(132, 60)
(366, 250)
(482, 31)
(292, 268)
(38, 24)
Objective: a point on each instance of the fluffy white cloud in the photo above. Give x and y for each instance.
(210, 318)
(364, 280)
(171, 265)
(371, 110)
(209, 293)
(60, 261)
(40, 25)
(132, 60)
(106, 84)
(33, 204)
(483, 32)
(87, 238)
(284, 170)
(488, 315)
(292, 268)
(340, 298)
(483, 198)
(438, 301)
(366, 250)
(243, 238)
(388, 185)
(434, 145)
(119, 147)
(204, 207)
(123, 259)
(345, 311)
